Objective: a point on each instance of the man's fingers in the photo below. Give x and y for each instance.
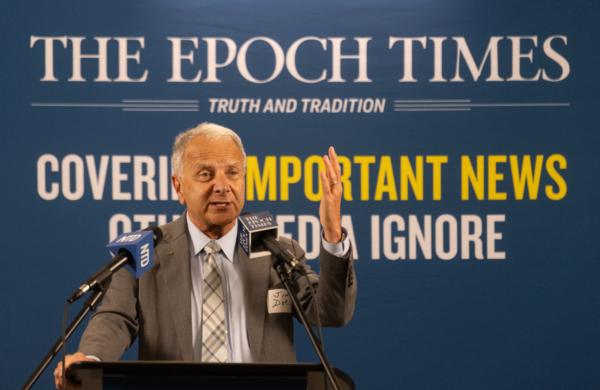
(328, 168)
(325, 183)
(58, 374)
(69, 359)
(334, 161)
(58, 370)
(332, 173)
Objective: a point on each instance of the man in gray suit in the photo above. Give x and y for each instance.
(252, 322)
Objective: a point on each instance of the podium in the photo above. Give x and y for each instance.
(154, 375)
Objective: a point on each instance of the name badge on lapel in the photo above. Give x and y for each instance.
(278, 301)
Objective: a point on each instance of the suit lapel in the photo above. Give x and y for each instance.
(176, 281)
(255, 274)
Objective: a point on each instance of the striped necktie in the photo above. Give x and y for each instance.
(214, 330)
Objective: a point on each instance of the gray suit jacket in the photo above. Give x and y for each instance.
(157, 307)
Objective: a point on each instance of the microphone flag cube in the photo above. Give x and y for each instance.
(252, 227)
(140, 248)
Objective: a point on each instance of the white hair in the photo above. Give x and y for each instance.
(209, 130)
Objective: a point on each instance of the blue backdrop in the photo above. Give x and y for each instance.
(470, 143)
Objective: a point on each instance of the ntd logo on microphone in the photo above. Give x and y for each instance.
(145, 255)
(139, 246)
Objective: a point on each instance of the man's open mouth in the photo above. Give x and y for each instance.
(219, 204)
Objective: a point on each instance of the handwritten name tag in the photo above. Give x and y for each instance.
(278, 301)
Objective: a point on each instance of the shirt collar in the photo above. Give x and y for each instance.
(199, 239)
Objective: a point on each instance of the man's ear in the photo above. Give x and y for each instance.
(177, 185)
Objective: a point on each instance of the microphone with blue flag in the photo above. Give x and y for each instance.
(134, 250)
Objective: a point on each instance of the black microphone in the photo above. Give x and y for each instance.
(135, 250)
(257, 236)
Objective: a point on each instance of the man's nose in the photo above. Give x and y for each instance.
(221, 184)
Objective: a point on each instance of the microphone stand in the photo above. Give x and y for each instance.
(285, 271)
(89, 305)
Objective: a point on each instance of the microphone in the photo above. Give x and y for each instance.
(257, 232)
(258, 237)
(135, 250)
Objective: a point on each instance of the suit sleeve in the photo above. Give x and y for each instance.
(114, 326)
(335, 287)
